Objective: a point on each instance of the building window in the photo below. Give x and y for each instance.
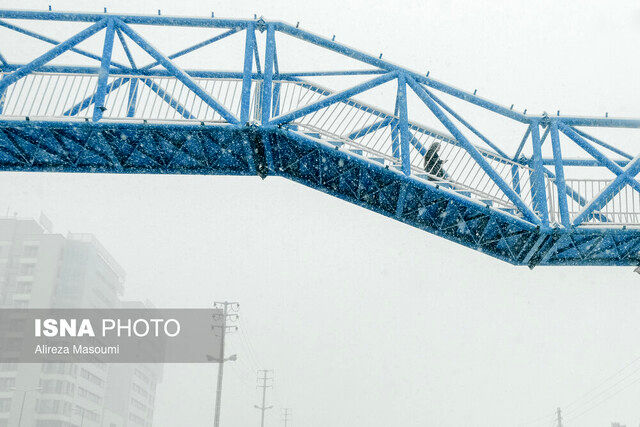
(24, 287)
(91, 377)
(7, 383)
(27, 269)
(30, 251)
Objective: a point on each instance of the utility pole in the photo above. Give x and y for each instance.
(264, 385)
(559, 414)
(286, 413)
(222, 317)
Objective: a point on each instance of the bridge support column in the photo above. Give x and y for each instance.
(539, 193)
(405, 135)
(103, 74)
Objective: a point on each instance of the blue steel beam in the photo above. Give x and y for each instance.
(245, 96)
(133, 95)
(582, 162)
(320, 41)
(103, 75)
(180, 75)
(167, 21)
(603, 144)
(85, 103)
(560, 182)
(614, 187)
(168, 99)
(473, 152)
(403, 124)
(539, 192)
(467, 124)
(125, 46)
(522, 143)
(595, 153)
(370, 128)
(51, 54)
(195, 47)
(269, 55)
(332, 99)
(55, 42)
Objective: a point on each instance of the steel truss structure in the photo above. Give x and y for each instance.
(119, 117)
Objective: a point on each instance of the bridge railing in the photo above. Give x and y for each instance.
(468, 162)
(360, 128)
(622, 209)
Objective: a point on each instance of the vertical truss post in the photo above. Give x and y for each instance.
(103, 74)
(245, 103)
(51, 54)
(405, 136)
(539, 191)
(268, 74)
(3, 91)
(560, 182)
(473, 152)
(395, 145)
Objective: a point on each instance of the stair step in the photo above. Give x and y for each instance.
(336, 143)
(377, 159)
(313, 134)
(358, 152)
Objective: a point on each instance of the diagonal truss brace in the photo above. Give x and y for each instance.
(473, 152)
(179, 74)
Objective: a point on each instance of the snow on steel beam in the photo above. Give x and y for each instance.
(178, 73)
(173, 21)
(332, 99)
(245, 96)
(626, 177)
(602, 143)
(385, 65)
(403, 124)
(595, 153)
(56, 42)
(560, 182)
(473, 152)
(103, 74)
(51, 54)
(539, 193)
(467, 124)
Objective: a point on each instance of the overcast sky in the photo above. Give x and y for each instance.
(367, 321)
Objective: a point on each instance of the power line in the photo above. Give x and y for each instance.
(264, 386)
(578, 403)
(286, 416)
(222, 318)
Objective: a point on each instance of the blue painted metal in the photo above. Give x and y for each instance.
(472, 151)
(624, 178)
(247, 74)
(539, 191)
(403, 124)
(499, 206)
(179, 74)
(51, 54)
(334, 99)
(55, 42)
(103, 74)
(560, 181)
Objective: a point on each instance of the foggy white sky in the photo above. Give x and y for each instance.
(367, 321)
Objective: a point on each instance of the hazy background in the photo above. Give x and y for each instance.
(367, 321)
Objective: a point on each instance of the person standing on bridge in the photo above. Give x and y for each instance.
(433, 163)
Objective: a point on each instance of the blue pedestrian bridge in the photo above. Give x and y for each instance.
(102, 92)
